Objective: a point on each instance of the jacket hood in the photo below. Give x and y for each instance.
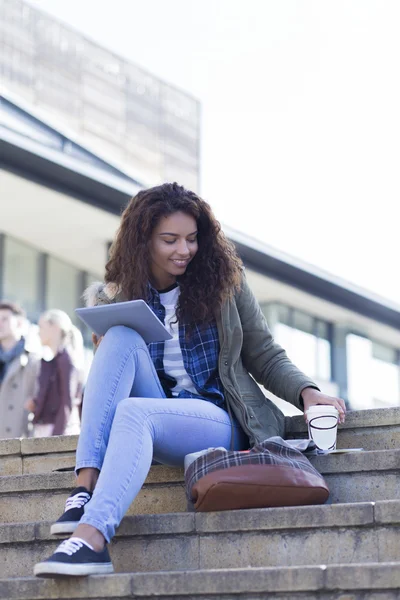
(100, 293)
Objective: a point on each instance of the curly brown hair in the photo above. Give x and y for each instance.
(210, 278)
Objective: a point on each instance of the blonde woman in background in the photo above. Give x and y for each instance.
(60, 378)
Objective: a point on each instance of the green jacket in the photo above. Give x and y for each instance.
(248, 354)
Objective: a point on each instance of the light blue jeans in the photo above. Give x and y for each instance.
(127, 422)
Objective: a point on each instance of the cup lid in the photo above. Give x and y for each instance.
(325, 409)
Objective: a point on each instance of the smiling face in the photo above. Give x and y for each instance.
(173, 245)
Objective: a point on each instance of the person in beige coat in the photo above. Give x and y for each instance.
(19, 369)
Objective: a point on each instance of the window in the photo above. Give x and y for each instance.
(373, 373)
(63, 289)
(21, 276)
(305, 339)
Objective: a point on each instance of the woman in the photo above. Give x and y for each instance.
(59, 378)
(170, 399)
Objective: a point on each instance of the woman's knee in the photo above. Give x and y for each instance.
(130, 407)
(119, 332)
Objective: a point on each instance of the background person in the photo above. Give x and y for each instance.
(19, 368)
(60, 378)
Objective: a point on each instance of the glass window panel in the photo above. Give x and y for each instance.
(62, 287)
(385, 379)
(373, 382)
(301, 347)
(175, 127)
(181, 173)
(185, 153)
(303, 321)
(322, 330)
(323, 359)
(179, 159)
(358, 372)
(103, 145)
(304, 352)
(284, 314)
(309, 353)
(74, 76)
(98, 121)
(384, 353)
(21, 276)
(283, 336)
(97, 92)
(137, 115)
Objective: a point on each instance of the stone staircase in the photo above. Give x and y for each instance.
(347, 550)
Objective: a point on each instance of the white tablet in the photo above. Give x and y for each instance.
(135, 314)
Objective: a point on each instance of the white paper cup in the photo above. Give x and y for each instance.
(322, 425)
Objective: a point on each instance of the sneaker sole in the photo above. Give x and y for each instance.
(58, 569)
(61, 528)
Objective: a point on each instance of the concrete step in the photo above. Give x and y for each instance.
(377, 429)
(344, 582)
(357, 477)
(41, 455)
(42, 497)
(308, 535)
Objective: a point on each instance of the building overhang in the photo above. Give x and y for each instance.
(306, 278)
(33, 150)
(36, 150)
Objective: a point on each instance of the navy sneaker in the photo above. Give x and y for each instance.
(75, 557)
(74, 509)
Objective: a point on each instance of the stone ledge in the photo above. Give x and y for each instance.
(371, 460)
(260, 520)
(32, 588)
(374, 460)
(168, 584)
(213, 583)
(378, 576)
(376, 486)
(292, 517)
(43, 481)
(35, 464)
(376, 417)
(10, 464)
(57, 443)
(223, 581)
(11, 446)
(159, 474)
(171, 552)
(387, 512)
(17, 532)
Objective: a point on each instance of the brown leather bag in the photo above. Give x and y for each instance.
(269, 474)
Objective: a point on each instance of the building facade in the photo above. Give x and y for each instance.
(61, 200)
(130, 117)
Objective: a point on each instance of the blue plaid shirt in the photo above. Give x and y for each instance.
(200, 353)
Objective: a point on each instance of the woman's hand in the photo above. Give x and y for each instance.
(311, 397)
(96, 340)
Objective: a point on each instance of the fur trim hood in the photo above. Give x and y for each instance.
(100, 293)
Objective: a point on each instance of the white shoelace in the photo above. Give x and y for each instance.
(70, 546)
(77, 501)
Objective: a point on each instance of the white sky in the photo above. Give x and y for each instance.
(301, 117)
